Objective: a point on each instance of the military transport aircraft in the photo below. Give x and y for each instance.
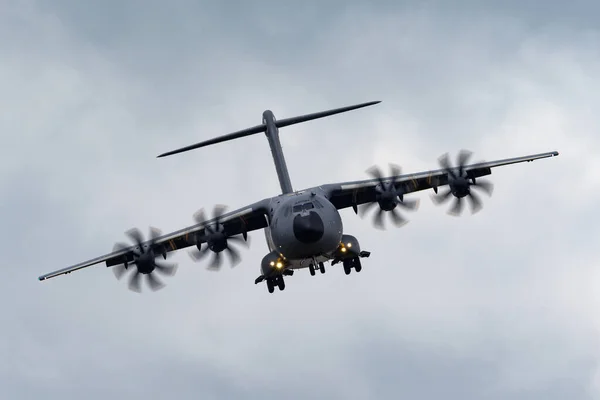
(303, 229)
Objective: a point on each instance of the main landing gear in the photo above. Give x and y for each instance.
(275, 281)
(352, 263)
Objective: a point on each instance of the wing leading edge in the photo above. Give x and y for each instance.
(240, 221)
(354, 193)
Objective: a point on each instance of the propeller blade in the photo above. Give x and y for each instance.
(462, 159)
(378, 220)
(375, 172)
(120, 246)
(441, 197)
(476, 204)
(216, 262)
(487, 187)
(395, 169)
(218, 211)
(410, 204)
(234, 255)
(136, 236)
(397, 218)
(240, 240)
(154, 283)
(135, 282)
(164, 268)
(198, 255)
(119, 270)
(364, 208)
(457, 207)
(444, 161)
(155, 233)
(200, 216)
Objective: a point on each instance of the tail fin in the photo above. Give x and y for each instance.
(263, 127)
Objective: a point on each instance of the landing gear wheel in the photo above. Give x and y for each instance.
(357, 265)
(322, 267)
(270, 285)
(311, 268)
(347, 266)
(281, 283)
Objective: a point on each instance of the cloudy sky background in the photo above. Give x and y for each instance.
(497, 305)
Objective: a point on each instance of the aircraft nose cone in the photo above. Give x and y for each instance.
(308, 229)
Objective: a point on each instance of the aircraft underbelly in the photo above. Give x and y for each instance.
(305, 262)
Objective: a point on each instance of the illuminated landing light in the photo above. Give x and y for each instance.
(349, 245)
(279, 265)
(343, 249)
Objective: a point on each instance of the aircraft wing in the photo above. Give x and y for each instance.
(240, 221)
(352, 194)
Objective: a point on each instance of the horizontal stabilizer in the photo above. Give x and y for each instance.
(224, 138)
(309, 117)
(263, 127)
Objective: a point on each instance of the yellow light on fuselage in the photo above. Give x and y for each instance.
(349, 245)
(279, 265)
(343, 249)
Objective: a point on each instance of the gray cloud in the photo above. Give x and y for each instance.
(498, 305)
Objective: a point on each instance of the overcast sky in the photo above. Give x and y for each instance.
(499, 305)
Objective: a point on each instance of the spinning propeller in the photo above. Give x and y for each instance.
(145, 262)
(217, 240)
(460, 184)
(388, 198)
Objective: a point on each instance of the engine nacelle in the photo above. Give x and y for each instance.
(272, 264)
(348, 248)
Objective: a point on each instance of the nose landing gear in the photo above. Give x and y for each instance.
(320, 267)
